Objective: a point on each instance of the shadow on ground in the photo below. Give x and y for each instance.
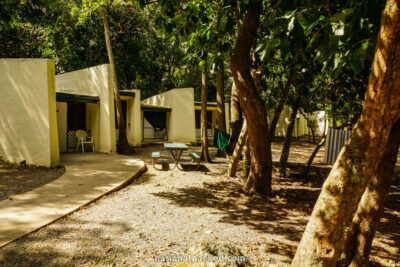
(15, 179)
(59, 248)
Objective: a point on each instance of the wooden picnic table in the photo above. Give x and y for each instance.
(176, 150)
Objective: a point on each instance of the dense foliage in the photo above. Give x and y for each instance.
(144, 56)
(161, 45)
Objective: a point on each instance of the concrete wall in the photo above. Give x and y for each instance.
(321, 118)
(181, 121)
(93, 123)
(95, 81)
(300, 127)
(134, 121)
(62, 126)
(28, 119)
(148, 131)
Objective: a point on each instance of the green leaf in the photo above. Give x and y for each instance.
(289, 14)
(339, 16)
(201, 63)
(314, 24)
(356, 62)
(159, 22)
(263, 54)
(222, 23)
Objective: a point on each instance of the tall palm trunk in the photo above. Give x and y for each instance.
(360, 158)
(205, 154)
(122, 145)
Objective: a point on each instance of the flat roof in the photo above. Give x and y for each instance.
(126, 93)
(209, 104)
(66, 97)
(155, 108)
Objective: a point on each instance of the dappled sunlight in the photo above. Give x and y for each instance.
(87, 177)
(236, 208)
(58, 244)
(163, 212)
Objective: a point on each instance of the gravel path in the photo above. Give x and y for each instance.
(163, 212)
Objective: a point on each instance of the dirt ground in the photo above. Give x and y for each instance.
(163, 212)
(17, 179)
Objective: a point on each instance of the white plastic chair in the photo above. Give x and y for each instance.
(83, 139)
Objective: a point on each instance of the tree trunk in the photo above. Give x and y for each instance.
(234, 160)
(370, 210)
(221, 103)
(334, 121)
(205, 154)
(236, 119)
(259, 179)
(221, 98)
(360, 158)
(282, 101)
(247, 157)
(314, 153)
(313, 134)
(288, 137)
(122, 145)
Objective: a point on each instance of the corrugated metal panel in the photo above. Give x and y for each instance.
(336, 139)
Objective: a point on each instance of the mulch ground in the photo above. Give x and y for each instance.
(163, 212)
(17, 179)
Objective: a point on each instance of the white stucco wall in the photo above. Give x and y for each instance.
(321, 118)
(134, 121)
(94, 81)
(93, 123)
(300, 127)
(28, 124)
(148, 131)
(62, 125)
(181, 119)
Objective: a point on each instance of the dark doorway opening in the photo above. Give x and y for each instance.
(158, 122)
(76, 120)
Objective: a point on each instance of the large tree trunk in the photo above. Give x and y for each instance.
(288, 137)
(205, 154)
(259, 179)
(370, 210)
(282, 101)
(360, 158)
(236, 119)
(237, 153)
(221, 98)
(122, 145)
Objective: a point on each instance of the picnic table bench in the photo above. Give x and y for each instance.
(176, 150)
